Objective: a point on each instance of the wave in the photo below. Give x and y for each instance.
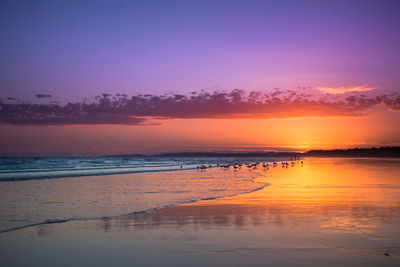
(30, 168)
(53, 174)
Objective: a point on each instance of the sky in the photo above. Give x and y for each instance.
(117, 77)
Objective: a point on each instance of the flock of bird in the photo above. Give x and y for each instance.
(264, 165)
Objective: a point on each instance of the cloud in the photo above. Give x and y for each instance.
(151, 109)
(392, 101)
(343, 90)
(42, 96)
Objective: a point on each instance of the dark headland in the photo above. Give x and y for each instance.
(353, 152)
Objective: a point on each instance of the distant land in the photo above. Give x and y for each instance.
(353, 152)
(357, 152)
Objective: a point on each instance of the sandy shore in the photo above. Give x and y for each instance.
(328, 212)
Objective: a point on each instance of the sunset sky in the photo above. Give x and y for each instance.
(118, 77)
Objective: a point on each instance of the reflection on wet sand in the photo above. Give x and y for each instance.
(344, 195)
(242, 216)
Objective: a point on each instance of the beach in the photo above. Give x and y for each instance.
(199, 133)
(327, 211)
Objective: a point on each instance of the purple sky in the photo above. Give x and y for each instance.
(76, 49)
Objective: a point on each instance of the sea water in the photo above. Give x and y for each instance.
(36, 190)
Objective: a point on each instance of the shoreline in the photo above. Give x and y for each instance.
(127, 214)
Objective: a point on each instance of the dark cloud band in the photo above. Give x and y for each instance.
(142, 109)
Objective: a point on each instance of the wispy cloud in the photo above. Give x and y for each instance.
(144, 109)
(42, 96)
(343, 90)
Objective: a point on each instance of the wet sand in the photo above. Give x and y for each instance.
(328, 212)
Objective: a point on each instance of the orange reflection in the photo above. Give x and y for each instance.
(344, 195)
(324, 199)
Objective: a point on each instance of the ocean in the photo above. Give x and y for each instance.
(39, 190)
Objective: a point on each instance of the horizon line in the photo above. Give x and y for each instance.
(227, 152)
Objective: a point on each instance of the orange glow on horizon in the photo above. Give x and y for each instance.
(381, 128)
